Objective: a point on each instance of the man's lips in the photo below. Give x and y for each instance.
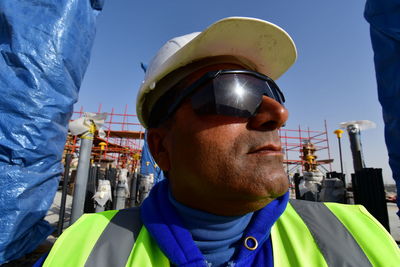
(269, 149)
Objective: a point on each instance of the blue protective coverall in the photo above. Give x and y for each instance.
(384, 18)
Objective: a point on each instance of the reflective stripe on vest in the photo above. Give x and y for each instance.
(335, 242)
(106, 239)
(307, 234)
(74, 246)
(331, 234)
(380, 248)
(114, 247)
(115, 243)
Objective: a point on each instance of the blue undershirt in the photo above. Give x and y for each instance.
(216, 236)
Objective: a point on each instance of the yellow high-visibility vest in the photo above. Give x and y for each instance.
(307, 234)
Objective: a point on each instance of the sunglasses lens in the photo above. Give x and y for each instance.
(236, 95)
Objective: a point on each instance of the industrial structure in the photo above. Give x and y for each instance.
(122, 143)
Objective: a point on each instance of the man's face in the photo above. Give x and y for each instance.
(226, 165)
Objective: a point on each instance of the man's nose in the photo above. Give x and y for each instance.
(270, 116)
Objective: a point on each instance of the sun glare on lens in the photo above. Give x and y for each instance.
(239, 91)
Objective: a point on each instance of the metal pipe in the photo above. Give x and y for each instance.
(327, 145)
(60, 225)
(120, 196)
(133, 190)
(339, 133)
(356, 149)
(340, 155)
(82, 174)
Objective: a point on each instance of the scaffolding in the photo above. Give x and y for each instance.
(123, 142)
(293, 142)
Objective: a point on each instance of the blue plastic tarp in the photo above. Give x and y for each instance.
(384, 19)
(44, 52)
(148, 164)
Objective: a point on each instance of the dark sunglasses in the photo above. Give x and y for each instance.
(235, 93)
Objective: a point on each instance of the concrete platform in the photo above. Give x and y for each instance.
(394, 221)
(53, 213)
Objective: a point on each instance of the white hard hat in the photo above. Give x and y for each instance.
(266, 46)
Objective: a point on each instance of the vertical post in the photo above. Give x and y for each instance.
(327, 144)
(287, 153)
(110, 125)
(340, 155)
(133, 189)
(82, 173)
(120, 196)
(124, 118)
(339, 133)
(124, 126)
(60, 225)
(300, 148)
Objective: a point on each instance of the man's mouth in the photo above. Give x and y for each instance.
(267, 149)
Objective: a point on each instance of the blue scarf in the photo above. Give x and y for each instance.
(165, 226)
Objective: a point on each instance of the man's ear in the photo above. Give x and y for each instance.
(157, 141)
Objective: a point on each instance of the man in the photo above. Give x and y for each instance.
(213, 112)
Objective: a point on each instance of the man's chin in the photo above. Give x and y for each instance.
(281, 188)
(276, 183)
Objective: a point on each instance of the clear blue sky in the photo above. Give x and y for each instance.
(333, 78)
